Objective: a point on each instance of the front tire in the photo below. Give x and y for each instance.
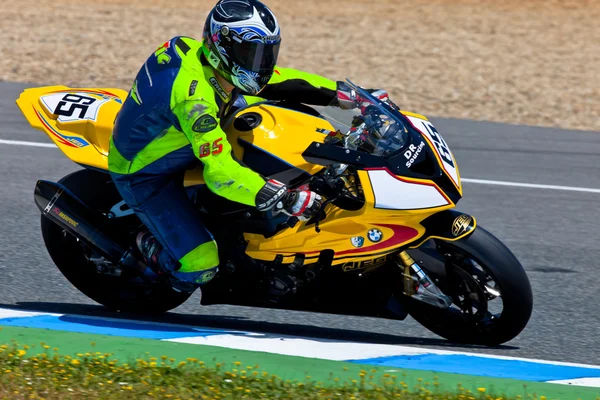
(126, 293)
(491, 257)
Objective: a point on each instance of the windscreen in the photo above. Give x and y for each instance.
(369, 126)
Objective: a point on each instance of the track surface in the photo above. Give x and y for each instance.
(554, 234)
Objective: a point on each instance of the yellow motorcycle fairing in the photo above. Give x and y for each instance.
(83, 140)
(358, 238)
(84, 136)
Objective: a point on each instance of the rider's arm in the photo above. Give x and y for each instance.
(222, 173)
(226, 177)
(297, 86)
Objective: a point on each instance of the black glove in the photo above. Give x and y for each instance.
(301, 203)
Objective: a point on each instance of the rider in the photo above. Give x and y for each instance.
(171, 118)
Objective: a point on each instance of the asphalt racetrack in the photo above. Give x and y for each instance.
(554, 232)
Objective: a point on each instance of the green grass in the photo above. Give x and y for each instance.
(42, 372)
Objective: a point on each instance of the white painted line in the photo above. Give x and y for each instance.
(591, 382)
(32, 144)
(330, 349)
(7, 313)
(480, 181)
(531, 185)
(326, 349)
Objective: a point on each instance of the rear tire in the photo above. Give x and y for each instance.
(510, 279)
(125, 293)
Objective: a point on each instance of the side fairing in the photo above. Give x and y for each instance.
(440, 147)
(397, 193)
(271, 139)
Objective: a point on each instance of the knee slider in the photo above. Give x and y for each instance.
(202, 258)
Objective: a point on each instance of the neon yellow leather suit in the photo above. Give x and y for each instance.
(170, 120)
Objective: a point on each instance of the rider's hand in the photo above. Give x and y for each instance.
(348, 99)
(380, 94)
(302, 202)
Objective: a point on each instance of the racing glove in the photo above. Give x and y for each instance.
(348, 99)
(301, 203)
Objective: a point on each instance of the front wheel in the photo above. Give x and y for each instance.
(491, 293)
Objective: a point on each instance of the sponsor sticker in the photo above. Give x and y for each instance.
(193, 86)
(461, 224)
(65, 217)
(206, 277)
(367, 264)
(221, 92)
(206, 123)
(412, 153)
(357, 241)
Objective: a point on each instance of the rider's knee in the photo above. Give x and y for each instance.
(199, 265)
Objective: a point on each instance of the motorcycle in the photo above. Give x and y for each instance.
(386, 243)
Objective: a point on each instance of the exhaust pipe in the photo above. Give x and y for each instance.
(62, 207)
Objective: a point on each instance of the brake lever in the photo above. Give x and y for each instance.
(321, 211)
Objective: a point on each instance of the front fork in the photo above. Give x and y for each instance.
(419, 286)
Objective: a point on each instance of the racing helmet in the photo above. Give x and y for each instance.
(241, 41)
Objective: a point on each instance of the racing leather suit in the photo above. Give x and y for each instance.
(170, 119)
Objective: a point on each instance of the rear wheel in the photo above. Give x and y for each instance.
(492, 297)
(126, 292)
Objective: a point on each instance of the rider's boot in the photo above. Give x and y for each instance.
(282, 287)
(151, 250)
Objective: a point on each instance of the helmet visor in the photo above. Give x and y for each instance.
(255, 56)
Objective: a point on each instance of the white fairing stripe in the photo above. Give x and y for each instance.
(392, 193)
(441, 148)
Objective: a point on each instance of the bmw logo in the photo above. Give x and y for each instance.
(375, 235)
(357, 241)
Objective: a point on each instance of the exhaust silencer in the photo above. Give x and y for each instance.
(62, 207)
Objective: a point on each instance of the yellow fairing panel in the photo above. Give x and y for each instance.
(284, 133)
(86, 120)
(355, 236)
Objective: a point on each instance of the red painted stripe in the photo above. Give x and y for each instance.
(402, 234)
(51, 130)
(84, 91)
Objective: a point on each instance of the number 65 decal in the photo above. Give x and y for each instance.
(441, 148)
(75, 102)
(72, 107)
(213, 148)
(440, 144)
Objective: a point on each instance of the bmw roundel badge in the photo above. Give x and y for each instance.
(375, 235)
